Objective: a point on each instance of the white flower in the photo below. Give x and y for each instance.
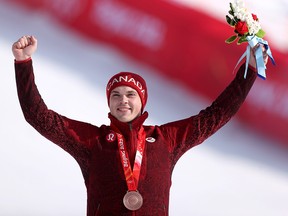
(239, 10)
(253, 25)
(241, 13)
(239, 3)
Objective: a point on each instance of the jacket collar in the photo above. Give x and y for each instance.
(126, 127)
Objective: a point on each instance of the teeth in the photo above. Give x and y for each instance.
(123, 109)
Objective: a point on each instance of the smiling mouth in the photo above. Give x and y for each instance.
(123, 109)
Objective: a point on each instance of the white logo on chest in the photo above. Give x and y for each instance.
(111, 137)
(150, 139)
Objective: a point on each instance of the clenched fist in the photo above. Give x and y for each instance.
(24, 48)
(252, 60)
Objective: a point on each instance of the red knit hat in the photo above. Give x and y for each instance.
(128, 79)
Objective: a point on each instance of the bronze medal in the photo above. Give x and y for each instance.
(133, 200)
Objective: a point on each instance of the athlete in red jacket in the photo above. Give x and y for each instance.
(127, 166)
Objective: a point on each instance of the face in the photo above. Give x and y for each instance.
(125, 103)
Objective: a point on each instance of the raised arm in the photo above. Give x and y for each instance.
(186, 133)
(73, 136)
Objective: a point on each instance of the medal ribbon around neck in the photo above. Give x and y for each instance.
(132, 176)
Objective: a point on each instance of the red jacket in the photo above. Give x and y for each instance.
(99, 159)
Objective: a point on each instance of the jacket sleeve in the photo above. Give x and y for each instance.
(73, 136)
(187, 133)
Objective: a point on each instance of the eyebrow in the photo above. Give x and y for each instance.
(127, 92)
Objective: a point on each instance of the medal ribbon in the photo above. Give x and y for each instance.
(132, 176)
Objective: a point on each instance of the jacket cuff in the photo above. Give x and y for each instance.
(252, 68)
(22, 61)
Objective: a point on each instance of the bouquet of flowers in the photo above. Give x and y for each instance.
(247, 28)
(244, 23)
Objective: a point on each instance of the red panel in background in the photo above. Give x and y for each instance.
(183, 44)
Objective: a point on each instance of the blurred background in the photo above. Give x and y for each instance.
(178, 47)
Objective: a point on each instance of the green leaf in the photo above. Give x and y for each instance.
(230, 21)
(260, 33)
(242, 40)
(231, 39)
(231, 7)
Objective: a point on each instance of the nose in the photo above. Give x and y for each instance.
(124, 99)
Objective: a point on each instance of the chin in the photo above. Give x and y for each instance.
(124, 119)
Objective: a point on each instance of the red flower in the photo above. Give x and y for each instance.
(255, 17)
(241, 28)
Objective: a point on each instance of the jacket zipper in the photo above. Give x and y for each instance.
(97, 210)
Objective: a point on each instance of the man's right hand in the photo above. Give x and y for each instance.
(24, 48)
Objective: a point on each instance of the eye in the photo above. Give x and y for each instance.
(115, 95)
(132, 94)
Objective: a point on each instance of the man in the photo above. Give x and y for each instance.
(126, 165)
